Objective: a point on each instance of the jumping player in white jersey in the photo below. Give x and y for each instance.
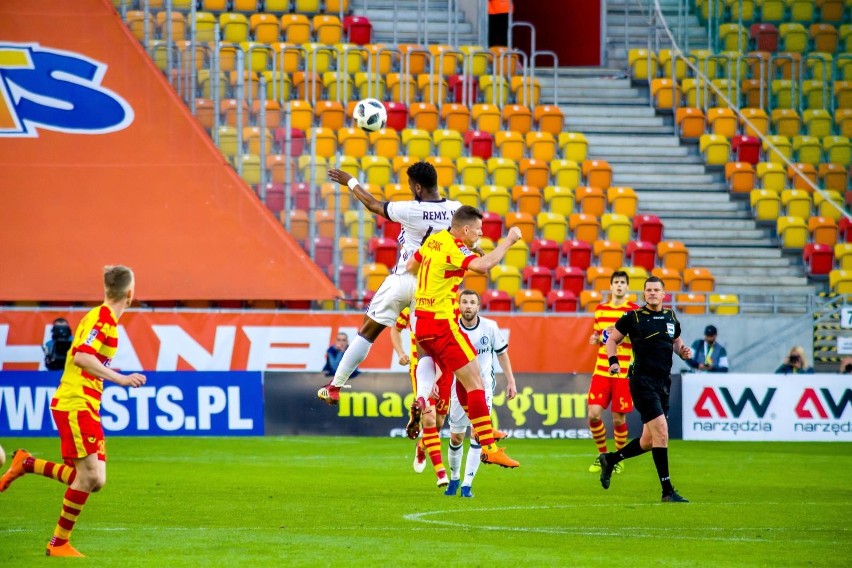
(489, 342)
(427, 213)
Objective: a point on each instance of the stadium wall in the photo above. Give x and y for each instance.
(297, 341)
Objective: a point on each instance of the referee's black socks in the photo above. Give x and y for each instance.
(661, 460)
(631, 450)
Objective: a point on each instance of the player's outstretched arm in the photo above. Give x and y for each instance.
(371, 203)
(482, 264)
(93, 366)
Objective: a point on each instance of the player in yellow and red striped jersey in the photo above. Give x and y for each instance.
(606, 389)
(441, 402)
(440, 264)
(76, 409)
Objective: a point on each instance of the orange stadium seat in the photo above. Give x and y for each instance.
(549, 118)
(690, 303)
(740, 177)
(598, 277)
(610, 254)
(585, 227)
(598, 173)
(530, 301)
(673, 255)
(534, 172)
(699, 280)
(672, 280)
(589, 300)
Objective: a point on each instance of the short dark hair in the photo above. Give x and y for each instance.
(465, 214)
(619, 274)
(424, 174)
(469, 292)
(652, 279)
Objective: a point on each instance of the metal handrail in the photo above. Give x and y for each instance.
(438, 70)
(501, 68)
(405, 71)
(344, 55)
(826, 78)
(555, 57)
(794, 79)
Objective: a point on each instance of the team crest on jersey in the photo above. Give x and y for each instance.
(483, 340)
(54, 89)
(92, 335)
(670, 329)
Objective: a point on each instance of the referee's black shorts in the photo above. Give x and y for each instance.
(650, 396)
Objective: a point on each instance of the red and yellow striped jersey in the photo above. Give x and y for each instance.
(97, 334)
(443, 260)
(403, 322)
(606, 315)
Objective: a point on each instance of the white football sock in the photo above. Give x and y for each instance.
(472, 463)
(454, 457)
(425, 375)
(352, 357)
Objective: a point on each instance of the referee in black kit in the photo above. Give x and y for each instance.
(654, 333)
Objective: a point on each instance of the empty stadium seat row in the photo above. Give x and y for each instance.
(692, 122)
(718, 150)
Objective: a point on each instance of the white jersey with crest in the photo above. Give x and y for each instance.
(488, 342)
(419, 219)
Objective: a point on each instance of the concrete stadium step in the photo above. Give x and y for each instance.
(692, 170)
(666, 197)
(737, 263)
(581, 72)
(754, 271)
(437, 31)
(628, 161)
(600, 120)
(709, 224)
(698, 234)
(434, 5)
(705, 211)
(617, 18)
(699, 253)
(646, 152)
(682, 181)
(582, 91)
(744, 281)
(545, 79)
(675, 187)
(598, 110)
(722, 242)
(633, 141)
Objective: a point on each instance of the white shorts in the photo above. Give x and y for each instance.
(395, 293)
(459, 421)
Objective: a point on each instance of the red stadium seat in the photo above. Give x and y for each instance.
(561, 301)
(323, 251)
(496, 301)
(348, 279)
(384, 251)
(746, 149)
(819, 259)
(765, 37)
(358, 29)
(845, 228)
(538, 278)
(397, 115)
(481, 143)
(648, 228)
(641, 253)
(545, 253)
(387, 229)
(297, 140)
(456, 85)
(492, 226)
(577, 253)
(301, 195)
(571, 279)
(275, 197)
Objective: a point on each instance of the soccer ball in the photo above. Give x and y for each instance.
(370, 115)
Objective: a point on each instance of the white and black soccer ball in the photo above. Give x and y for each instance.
(370, 115)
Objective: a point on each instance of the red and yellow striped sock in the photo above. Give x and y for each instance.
(599, 435)
(480, 418)
(620, 436)
(60, 472)
(432, 443)
(72, 506)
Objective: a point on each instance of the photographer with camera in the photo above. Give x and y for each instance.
(57, 347)
(795, 363)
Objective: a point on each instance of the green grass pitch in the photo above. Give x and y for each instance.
(305, 501)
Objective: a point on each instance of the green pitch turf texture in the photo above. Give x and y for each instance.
(305, 501)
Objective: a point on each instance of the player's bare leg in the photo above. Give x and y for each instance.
(480, 417)
(352, 357)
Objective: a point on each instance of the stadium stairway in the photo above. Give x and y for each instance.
(827, 329)
(381, 16)
(617, 11)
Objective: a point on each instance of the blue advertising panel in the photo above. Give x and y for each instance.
(170, 404)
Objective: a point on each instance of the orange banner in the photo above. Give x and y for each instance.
(102, 163)
(220, 341)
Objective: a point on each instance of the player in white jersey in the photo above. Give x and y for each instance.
(490, 346)
(427, 213)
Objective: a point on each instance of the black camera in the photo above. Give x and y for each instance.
(794, 358)
(60, 332)
(847, 369)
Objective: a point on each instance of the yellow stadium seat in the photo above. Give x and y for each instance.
(837, 150)
(464, 194)
(574, 146)
(817, 122)
(782, 149)
(503, 171)
(637, 276)
(552, 226)
(840, 281)
(351, 220)
(824, 206)
(250, 167)
(559, 199)
(724, 304)
(350, 248)
(796, 203)
(616, 227)
(448, 143)
(722, 121)
(643, 64)
(622, 200)
(793, 232)
(506, 278)
(807, 149)
(417, 143)
(374, 275)
(519, 253)
(377, 170)
(765, 204)
(843, 255)
(843, 120)
(716, 149)
(495, 198)
(758, 121)
(472, 171)
(771, 176)
(678, 71)
(565, 173)
(786, 122)
(495, 92)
